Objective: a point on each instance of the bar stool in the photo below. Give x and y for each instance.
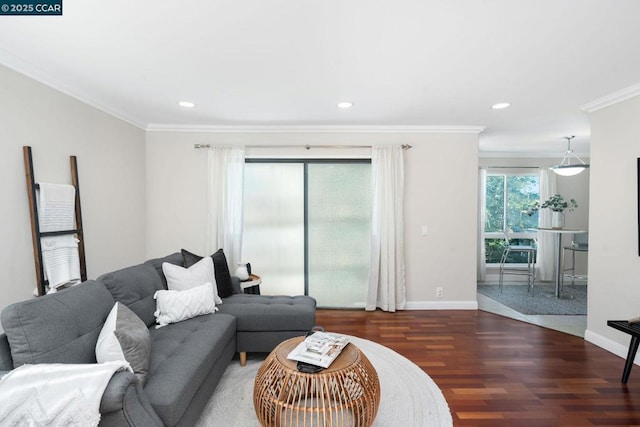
(580, 243)
(529, 271)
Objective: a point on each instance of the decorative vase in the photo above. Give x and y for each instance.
(242, 272)
(557, 220)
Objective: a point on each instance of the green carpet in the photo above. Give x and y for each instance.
(543, 301)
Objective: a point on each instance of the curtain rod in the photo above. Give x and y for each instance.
(308, 147)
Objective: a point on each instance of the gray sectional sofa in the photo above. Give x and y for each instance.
(187, 358)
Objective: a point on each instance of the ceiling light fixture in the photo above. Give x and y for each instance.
(500, 105)
(345, 104)
(186, 104)
(565, 168)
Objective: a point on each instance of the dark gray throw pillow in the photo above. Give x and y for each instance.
(125, 337)
(220, 267)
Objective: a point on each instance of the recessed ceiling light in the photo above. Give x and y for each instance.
(500, 105)
(345, 104)
(186, 104)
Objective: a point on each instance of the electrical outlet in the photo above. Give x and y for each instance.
(439, 292)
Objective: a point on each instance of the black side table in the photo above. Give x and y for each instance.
(252, 285)
(632, 329)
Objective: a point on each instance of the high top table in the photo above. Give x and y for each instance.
(558, 232)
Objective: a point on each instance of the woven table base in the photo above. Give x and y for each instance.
(345, 394)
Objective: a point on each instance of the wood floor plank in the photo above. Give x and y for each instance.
(495, 371)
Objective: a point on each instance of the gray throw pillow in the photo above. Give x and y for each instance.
(125, 337)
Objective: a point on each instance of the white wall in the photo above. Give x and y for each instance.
(446, 203)
(614, 264)
(111, 169)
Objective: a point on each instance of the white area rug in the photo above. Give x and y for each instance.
(409, 397)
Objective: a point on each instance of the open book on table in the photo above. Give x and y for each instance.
(320, 349)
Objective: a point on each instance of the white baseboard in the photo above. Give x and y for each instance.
(442, 305)
(610, 345)
(432, 305)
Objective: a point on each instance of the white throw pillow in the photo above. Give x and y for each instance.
(181, 279)
(124, 337)
(174, 306)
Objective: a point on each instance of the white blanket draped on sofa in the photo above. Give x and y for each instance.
(55, 394)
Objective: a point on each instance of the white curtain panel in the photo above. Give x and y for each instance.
(482, 211)
(225, 187)
(546, 255)
(387, 278)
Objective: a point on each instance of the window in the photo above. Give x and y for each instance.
(508, 196)
(307, 228)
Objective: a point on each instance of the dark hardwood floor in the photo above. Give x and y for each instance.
(495, 371)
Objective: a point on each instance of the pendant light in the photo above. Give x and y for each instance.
(566, 168)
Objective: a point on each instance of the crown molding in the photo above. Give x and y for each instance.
(159, 127)
(611, 99)
(27, 69)
(522, 154)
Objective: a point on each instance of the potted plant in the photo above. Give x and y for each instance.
(557, 204)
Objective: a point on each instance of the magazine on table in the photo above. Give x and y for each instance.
(319, 349)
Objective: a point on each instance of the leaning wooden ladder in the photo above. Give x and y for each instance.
(36, 234)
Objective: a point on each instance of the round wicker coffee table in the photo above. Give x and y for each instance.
(347, 393)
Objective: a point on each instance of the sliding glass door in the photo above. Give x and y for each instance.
(273, 230)
(339, 218)
(307, 228)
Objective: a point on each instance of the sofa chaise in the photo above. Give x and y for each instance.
(186, 358)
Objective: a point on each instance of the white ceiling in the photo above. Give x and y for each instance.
(402, 63)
